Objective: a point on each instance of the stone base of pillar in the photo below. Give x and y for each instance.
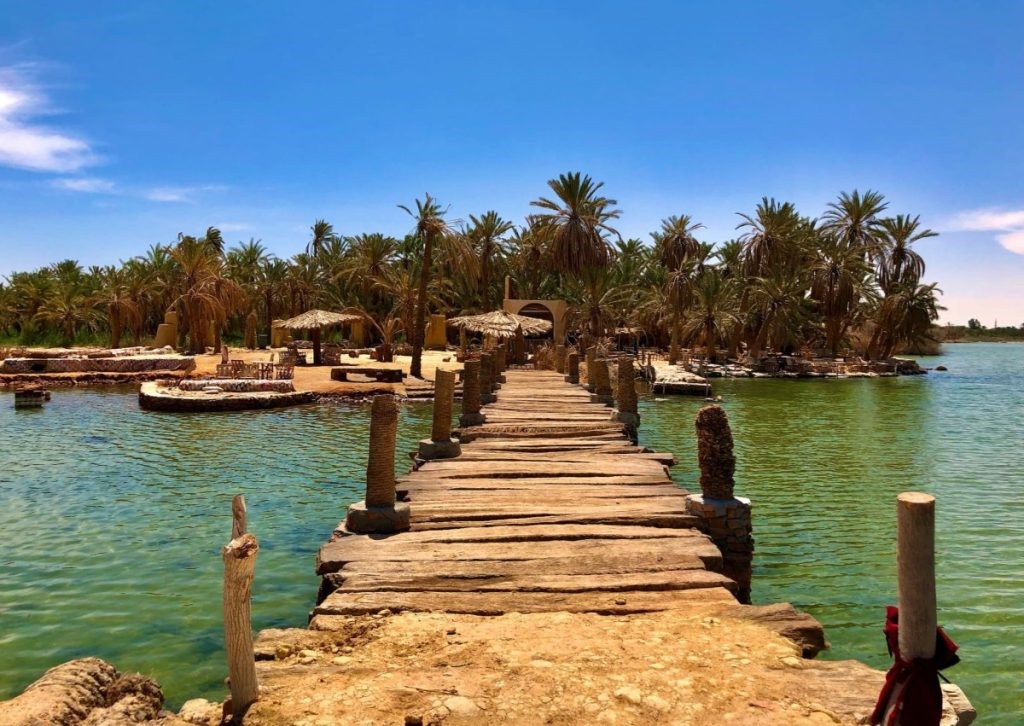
(439, 449)
(590, 387)
(727, 522)
(501, 378)
(573, 380)
(472, 419)
(363, 519)
(598, 398)
(486, 398)
(625, 417)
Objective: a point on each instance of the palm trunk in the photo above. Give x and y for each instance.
(673, 347)
(415, 368)
(268, 300)
(115, 329)
(485, 281)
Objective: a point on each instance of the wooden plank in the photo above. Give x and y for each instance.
(690, 579)
(423, 482)
(621, 519)
(499, 603)
(451, 468)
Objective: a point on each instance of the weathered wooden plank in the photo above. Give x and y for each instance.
(451, 468)
(421, 481)
(499, 603)
(621, 519)
(612, 457)
(433, 493)
(690, 579)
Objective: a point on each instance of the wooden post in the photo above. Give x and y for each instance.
(560, 358)
(471, 415)
(441, 445)
(915, 536)
(239, 526)
(239, 556)
(573, 366)
(380, 511)
(486, 378)
(591, 356)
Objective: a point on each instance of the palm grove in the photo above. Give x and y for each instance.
(850, 277)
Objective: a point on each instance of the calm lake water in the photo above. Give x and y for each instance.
(112, 519)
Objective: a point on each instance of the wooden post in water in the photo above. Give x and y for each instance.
(573, 366)
(380, 512)
(915, 543)
(239, 556)
(441, 445)
(471, 415)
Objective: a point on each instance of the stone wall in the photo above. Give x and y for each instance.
(238, 385)
(133, 364)
(727, 523)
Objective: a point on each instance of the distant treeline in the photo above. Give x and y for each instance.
(976, 332)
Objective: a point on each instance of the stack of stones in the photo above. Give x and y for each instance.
(721, 515)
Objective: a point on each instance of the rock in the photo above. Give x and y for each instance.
(341, 660)
(956, 709)
(462, 706)
(200, 711)
(631, 694)
(658, 703)
(307, 653)
(540, 663)
(792, 661)
(941, 368)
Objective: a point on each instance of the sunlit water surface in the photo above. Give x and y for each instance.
(112, 519)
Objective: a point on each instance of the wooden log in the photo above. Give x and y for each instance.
(239, 557)
(916, 574)
(239, 525)
(380, 466)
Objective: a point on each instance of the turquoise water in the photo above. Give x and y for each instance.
(823, 462)
(112, 519)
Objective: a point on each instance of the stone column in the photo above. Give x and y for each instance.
(602, 383)
(379, 512)
(723, 517)
(573, 367)
(471, 415)
(625, 398)
(487, 378)
(560, 358)
(441, 445)
(591, 357)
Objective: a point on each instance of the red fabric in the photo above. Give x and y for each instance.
(919, 703)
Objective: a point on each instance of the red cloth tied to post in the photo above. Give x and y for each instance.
(919, 702)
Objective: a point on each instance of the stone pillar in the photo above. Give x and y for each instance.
(379, 512)
(486, 378)
(573, 367)
(723, 517)
(602, 383)
(471, 415)
(625, 398)
(591, 357)
(441, 445)
(560, 358)
(500, 364)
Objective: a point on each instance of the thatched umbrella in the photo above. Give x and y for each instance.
(315, 321)
(501, 324)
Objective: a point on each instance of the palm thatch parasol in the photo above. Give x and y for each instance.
(501, 324)
(314, 321)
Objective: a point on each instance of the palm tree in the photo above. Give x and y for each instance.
(905, 316)
(779, 304)
(69, 309)
(771, 237)
(854, 219)
(116, 295)
(839, 282)
(431, 229)
(713, 313)
(322, 233)
(486, 234)
(899, 264)
(677, 250)
(271, 283)
(576, 223)
(205, 295)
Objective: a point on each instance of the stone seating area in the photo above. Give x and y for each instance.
(238, 369)
(381, 375)
(237, 385)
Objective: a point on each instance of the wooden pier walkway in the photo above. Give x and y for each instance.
(549, 508)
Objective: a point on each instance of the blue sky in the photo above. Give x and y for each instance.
(122, 124)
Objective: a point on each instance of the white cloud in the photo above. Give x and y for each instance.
(1009, 223)
(178, 194)
(24, 142)
(89, 185)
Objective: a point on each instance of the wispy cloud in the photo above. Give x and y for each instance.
(89, 185)
(1008, 224)
(27, 143)
(179, 194)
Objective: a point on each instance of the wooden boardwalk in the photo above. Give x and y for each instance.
(550, 507)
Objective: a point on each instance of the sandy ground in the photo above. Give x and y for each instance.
(318, 378)
(673, 667)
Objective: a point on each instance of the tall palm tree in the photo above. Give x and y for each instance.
(677, 250)
(854, 217)
(69, 309)
(904, 317)
(430, 229)
(771, 236)
(713, 313)
(840, 282)
(900, 264)
(486, 234)
(271, 284)
(779, 304)
(205, 295)
(117, 297)
(322, 232)
(576, 223)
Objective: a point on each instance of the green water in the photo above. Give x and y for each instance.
(111, 519)
(823, 461)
